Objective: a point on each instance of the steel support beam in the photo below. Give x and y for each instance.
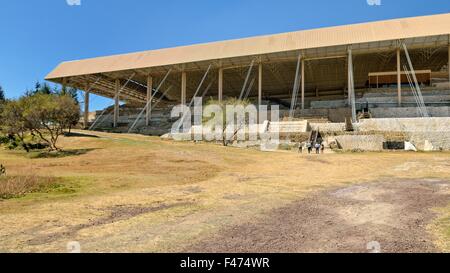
(260, 78)
(415, 84)
(303, 84)
(220, 87)
(448, 66)
(64, 84)
(349, 79)
(249, 88)
(399, 77)
(191, 103)
(249, 72)
(117, 91)
(199, 86)
(351, 85)
(150, 101)
(349, 97)
(148, 109)
(116, 104)
(183, 87)
(295, 88)
(86, 108)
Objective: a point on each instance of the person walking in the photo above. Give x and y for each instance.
(300, 148)
(317, 146)
(322, 147)
(309, 147)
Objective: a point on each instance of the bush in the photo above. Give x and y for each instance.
(17, 186)
(4, 140)
(285, 147)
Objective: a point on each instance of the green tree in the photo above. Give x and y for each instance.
(42, 88)
(2, 102)
(47, 115)
(13, 122)
(70, 91)
(43, 115)
(39, 88)
(2, 95)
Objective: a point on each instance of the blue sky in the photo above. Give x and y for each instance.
(38, 34)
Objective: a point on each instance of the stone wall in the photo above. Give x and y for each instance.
(408, 112)
(431, 141)
(327, 127)
(332, 114)
(404, 125)
(387, 99)
(360, 142)
(339, 114)
(289, 126)
(427, 134)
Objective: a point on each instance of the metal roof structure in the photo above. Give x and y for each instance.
(325, 50)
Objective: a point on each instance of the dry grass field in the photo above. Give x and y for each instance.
(130, 193)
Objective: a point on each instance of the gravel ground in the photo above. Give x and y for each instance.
(393, 214)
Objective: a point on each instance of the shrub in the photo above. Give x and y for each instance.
(284, 147)
(17, 186)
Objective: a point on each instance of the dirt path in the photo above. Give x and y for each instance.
(393, 213)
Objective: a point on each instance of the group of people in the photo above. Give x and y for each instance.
(319, 147)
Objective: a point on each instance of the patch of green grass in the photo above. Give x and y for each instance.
(64, 188)
(58, 189)
(20, 186)
(132, 142)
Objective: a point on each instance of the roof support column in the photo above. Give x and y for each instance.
(349, 95)
(260, 78)
(351, 84)
(220, 87)
(148, 110)
(448, 66)
(303, 84)
(86, 107)
(116, 104)
(64, 84)
(399, 77)
(349, 88)
(183, 87)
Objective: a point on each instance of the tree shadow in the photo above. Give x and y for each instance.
(59, 154)
(75, 134)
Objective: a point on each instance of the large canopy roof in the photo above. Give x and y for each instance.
(325, 37)
(324, 51)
